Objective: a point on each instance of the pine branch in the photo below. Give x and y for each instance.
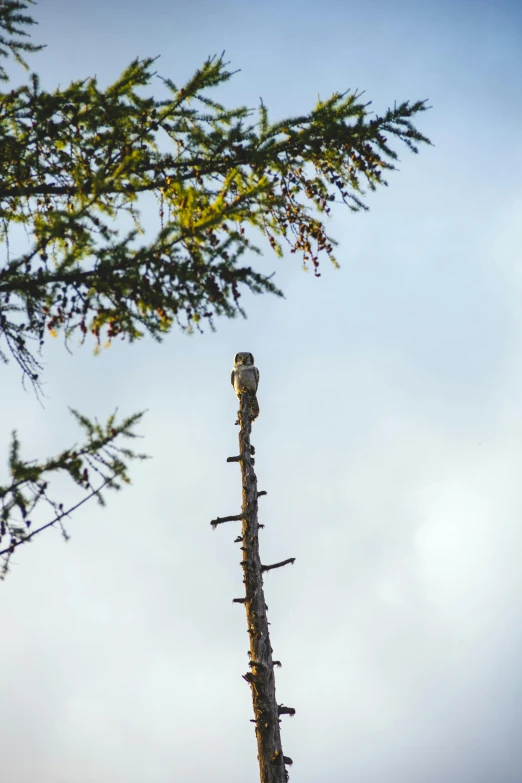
(77, 159)
(12, 21)
(99, 458)
(24, 537)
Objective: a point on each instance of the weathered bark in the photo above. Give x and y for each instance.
(272, 762)
(261, 677)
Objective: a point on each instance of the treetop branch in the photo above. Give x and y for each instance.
(76, 160)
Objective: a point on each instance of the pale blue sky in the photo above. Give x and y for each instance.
(389, 441)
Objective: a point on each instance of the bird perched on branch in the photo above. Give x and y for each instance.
(245, 378)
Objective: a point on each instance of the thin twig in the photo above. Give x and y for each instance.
(27, 538)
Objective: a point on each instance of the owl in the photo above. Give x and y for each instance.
(245, 378)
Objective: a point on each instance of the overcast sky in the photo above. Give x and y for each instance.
(389, 441)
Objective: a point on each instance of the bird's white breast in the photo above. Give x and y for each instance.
(245, 379)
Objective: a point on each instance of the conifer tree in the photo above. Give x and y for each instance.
(75, 165)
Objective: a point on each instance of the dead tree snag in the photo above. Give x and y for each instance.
(272, 761)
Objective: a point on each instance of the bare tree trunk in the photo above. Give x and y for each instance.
(272, 762)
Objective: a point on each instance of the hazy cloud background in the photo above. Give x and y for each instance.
(390, 443)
